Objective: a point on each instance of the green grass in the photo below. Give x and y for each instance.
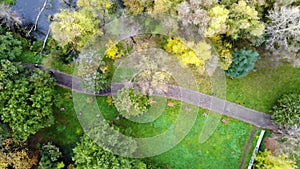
(260, 90)
(8, 2)
(67, 128)
(251, 149)
(54, 63)
(224, 147)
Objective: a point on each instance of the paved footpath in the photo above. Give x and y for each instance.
(208, 102)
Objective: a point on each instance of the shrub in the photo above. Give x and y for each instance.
(10, 47)
(188, 56)
(243, 61)
(87, 154)
(50, 156)
(267, 160)
(224, 50)
(286, 112)
(130, 102)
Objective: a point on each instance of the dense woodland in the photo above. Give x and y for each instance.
(256, 43)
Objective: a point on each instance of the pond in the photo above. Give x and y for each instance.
(28, 10)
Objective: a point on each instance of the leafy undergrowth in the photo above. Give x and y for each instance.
(260, 90)
(67, 129)
(54, 63)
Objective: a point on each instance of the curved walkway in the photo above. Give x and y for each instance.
(208, 102)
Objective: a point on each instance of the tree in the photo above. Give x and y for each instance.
(16, 155)
(243, 61)
(192, 12)
(187, 55)
(154, 8)
(218, 17)
(78, 27)
(87, 154)
(135, 6)
(95, 71)
(265, 160)
(224, 50)
(49, 157)
(8, 72)
(283, 30)
(27, 100)
(75, 27)
(289, 139)
(238, 21)
(10, 47)
(131, 102)
(244, 21)
(8, 17)
(286, 112)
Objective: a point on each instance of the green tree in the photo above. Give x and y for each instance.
(75, 27)
(49, 157)
(10, 47)
(26, 100)
(243, 62)
(286, 112)
(239, 20)
(244, 21)
(87, 154)
(218, 17)
(265, 160)
(131, 102)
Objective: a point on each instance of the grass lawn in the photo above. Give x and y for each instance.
(223, 148)
(260, 90)
(54, 63)
(66, 130)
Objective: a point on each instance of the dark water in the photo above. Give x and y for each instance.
(29, 9)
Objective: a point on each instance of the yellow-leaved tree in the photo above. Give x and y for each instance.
(190, 54)
(240, 20)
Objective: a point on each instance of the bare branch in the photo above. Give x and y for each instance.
(45, 40)
(33, 28)
(284, 27)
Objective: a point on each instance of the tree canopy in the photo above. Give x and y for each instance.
(286, 112)
(26, 99)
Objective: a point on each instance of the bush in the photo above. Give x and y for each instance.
(10, 47)
(26, 99)
(286, 112)
(131, 103)
(267, 160)
(88, 154)
(50, 156)
(243, 61)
